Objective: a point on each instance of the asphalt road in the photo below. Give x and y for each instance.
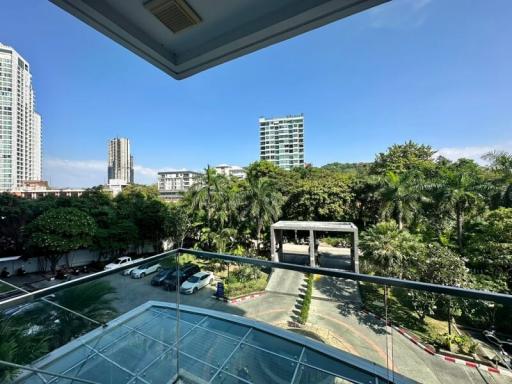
(359, 334)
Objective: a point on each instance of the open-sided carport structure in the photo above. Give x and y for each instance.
(276, 238)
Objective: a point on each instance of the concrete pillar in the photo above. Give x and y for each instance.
(273, 252)
(354, 253)
(312, 259)
(279, 237)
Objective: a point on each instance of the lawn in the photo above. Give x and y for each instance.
(400, 314)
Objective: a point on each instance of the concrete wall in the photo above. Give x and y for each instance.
(76, 258)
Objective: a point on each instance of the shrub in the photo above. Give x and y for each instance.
(304, 311)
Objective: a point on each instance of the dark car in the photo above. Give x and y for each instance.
(159, 278)
(185, 272)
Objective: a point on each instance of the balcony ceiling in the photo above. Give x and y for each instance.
(208, 32)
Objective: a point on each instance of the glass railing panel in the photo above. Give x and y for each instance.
(440, 338)
(100, 330)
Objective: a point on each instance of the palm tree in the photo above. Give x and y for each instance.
(400, 195)
(501, 164)
(459, 190)
(263, 204)
(203, 194)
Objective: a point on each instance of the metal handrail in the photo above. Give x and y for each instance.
(386, 281)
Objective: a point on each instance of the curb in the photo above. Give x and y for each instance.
(240, 299)
(416, 340)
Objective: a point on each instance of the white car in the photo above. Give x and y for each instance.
(120, 262)
(145, 269)
(195, 282)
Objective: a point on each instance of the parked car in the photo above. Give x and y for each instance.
(120, 262)
(159, 278)
(145, 269)
(185, 272)
(196, 282)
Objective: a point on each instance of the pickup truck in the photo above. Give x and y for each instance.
(120, 262)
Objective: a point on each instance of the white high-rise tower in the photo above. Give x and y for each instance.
(20, 125)
(282, 141)
(120, 160)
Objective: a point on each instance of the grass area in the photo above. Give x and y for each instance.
(399, 313)
(235, 289)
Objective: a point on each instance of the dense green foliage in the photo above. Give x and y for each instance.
(409, 206)
(59, 231)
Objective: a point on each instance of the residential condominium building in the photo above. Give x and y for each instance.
(20, 125)
(231, 171)
(120, 160)
(173, 184)
(282, 141)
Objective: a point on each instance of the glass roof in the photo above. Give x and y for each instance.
(141, 347)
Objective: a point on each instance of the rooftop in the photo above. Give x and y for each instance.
(326, 226)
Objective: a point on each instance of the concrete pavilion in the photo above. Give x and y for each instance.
(313, 227)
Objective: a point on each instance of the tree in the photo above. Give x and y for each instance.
(93, 300)
(439, 266)
(179, 224)
(142, 206)
(14, 214)
(390, 251)
(18, 345)
(501, 165)
(325, 196)
(60, 231)
(459, 190)
(58, 326)
(263, 204)
(489, 243)
(402, 158)
(400, 195)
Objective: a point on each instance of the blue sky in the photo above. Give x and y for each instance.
(435, 71)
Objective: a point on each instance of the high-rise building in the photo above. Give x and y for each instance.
(282, 141)
(120, 160)
(20, 125)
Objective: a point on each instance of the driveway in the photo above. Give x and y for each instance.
(336, 307)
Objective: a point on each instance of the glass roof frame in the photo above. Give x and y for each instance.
(292, 353)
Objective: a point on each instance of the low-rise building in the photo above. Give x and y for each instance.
(115, 186)
(231, 170)
(35, 189)
(173, 184)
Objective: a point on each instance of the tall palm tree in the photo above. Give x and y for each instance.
(400, 196)
(263, 204)
(459, 191)
(203, 194)
(501, 164)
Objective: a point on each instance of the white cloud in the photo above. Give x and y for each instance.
(475, 153)
(88, 173)
(399, 14)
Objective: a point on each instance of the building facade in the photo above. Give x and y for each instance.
(35, 189)
(120, 160)
(282, 141)
(231, 171)
(20, 125)
(173, 184)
